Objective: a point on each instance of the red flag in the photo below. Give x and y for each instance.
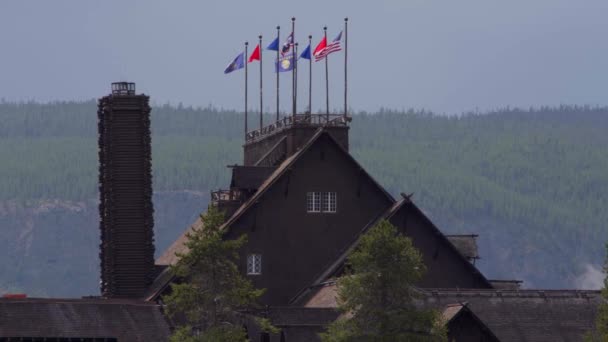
(321, 46)
(255, 55)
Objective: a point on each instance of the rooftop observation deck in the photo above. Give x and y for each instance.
(297, 120)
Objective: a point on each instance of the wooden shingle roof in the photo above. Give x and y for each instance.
(511, 315)
(526, 315)
(124, 320)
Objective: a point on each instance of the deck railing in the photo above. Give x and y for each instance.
(218, 196)
(315, 120)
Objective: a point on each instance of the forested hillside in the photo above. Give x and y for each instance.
(533, 184)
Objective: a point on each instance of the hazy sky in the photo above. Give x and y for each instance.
(446, 56)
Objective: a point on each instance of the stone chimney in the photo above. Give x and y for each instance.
(125, 191)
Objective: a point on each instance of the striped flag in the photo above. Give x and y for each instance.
(334, 46)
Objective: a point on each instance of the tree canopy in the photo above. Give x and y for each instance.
(376, 296)
(212, 302)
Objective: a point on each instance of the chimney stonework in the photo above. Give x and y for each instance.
(125, 190)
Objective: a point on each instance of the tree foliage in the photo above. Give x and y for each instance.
(377, 297)
(209, 305)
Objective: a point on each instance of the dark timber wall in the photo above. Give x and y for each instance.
(125, 178)
(296, 246)
(445, 267)
(297, 136)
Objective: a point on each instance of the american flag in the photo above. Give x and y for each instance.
(331, 47)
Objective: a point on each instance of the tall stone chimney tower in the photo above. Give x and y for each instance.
(125, 191)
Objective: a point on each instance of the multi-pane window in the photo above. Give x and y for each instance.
(313, 202)
(329, 202)
(317, 202)
(254, 264)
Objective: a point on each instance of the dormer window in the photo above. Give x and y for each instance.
(254, 264)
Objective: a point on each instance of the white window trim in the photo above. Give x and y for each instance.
(327, 203)
(315, 198)
(251, 264)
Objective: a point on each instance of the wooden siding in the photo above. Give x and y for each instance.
(295, 245)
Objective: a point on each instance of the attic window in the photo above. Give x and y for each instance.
(329, 202)
(325, 202)
(254, 264)
(313, 202)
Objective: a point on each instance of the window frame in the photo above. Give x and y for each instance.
(314, 202)
(253, 267)
(327, 202)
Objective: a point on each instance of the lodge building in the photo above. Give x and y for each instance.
(303, 201)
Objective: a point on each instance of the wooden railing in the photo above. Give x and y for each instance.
(225, 196)
(316, 120)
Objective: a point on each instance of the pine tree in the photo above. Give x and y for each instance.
(377, 297)
(210, 303)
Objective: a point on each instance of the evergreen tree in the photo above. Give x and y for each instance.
(209, 304)
(377, 297)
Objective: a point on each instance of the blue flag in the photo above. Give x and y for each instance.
(274, 45)
(285, 63)
(237, 63)
(306, 53)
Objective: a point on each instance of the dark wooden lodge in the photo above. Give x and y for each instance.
(303, 201)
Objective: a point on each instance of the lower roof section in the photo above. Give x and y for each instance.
(511, 315)
(88, 318)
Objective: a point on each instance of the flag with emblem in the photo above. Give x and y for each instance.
(324, 49)
(237, 63)
(285, 63)
(288, 45)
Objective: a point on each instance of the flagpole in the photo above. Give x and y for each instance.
(245, 60)
(261, 97)
(293, 70)
(345, 65)
(326, 79)
(277, 71)
(310, 75)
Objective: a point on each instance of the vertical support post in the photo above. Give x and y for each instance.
(326, 79)
(261, 97)
(295, 85)
(345, 67)
(245, 60)
(293, 70)
(277, 71)
(310, 76)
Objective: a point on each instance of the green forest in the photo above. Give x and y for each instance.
(533, 183)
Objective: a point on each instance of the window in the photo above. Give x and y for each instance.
(317, 202)
(329, 202)
(254, 264)
(313, 202)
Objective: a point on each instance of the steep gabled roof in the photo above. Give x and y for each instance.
(454, 312)
(286, 165)
(169, 258)
(339, 263)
